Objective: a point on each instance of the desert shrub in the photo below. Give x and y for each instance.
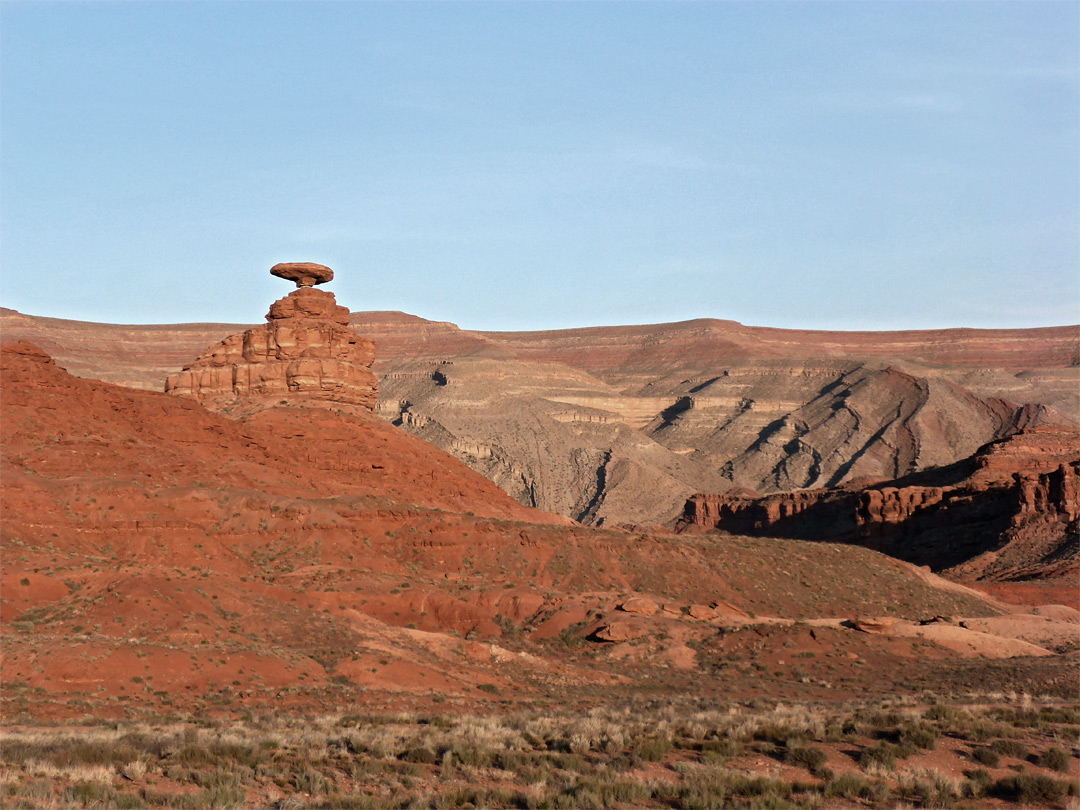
(213, 799)
(813, 759)
(1029, 789)
(920, 736)
(569, 762)
(38, 789)
(928, 788)
(245, 755)
(703, 791)
(652, 750)
(129, 801)
(1009, 748)
(1059, 714)
(85, 794)
(517, 761)
(471, 756)
(885, 719)
(947, 715)
(978, 780)
(619, 792)
(986, 756)
(851, 786)
(1055, 759)
(778, 734)
(310, 781)
(353, 801)
(479, 797)
(882, 755)
(986, 730)
(421, 755)
(719, 749)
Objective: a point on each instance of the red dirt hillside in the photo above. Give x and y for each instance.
(161, 557)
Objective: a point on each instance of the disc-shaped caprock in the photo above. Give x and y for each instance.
(305, 274)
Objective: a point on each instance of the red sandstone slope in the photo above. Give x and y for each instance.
(158, 556)
(55, 422)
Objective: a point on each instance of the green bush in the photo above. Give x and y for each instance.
(882, 755)
(85, 794)
(711, 790)
(779, 734)
(651, 750)
(920, 736)
(851, 786)
(353, 801)
(979, 780)
(1010, 748)
(1029, 789)
(721, 748)
(1055, 759)
(471, 756)
(986, 756)
(129, 801)
(813, 759)
(421, 755)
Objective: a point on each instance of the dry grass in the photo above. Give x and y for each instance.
(650, 756)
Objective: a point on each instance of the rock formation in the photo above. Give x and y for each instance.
(306, 348)
(305, 274)
(1010, 511)
(618, 426)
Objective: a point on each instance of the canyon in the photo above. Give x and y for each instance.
(618, 426)
(1009, 512)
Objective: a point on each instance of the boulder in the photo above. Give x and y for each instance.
(619, 631)
(640, 604)
(305, 274)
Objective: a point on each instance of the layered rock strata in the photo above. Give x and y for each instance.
(620, 425)
(1010, 511)
(305, 349)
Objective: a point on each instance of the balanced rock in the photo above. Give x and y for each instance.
(305, 351)
(305, 274)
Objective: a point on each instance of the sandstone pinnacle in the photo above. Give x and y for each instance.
(305, 274)
(306, 351)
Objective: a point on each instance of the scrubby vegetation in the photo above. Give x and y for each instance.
(641, 755)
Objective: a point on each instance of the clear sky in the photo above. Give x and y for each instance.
(542, 165)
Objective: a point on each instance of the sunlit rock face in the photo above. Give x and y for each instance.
(305, 352)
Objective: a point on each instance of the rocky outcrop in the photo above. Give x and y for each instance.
(620, 425)
(306, 349)
(305, 274)
(1010, 511)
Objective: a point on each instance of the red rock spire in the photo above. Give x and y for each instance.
(306, 352)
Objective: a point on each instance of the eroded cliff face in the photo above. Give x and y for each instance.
(1010, 511)
(620, 425)
(305, 348)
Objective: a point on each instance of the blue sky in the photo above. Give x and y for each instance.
(544, 165)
